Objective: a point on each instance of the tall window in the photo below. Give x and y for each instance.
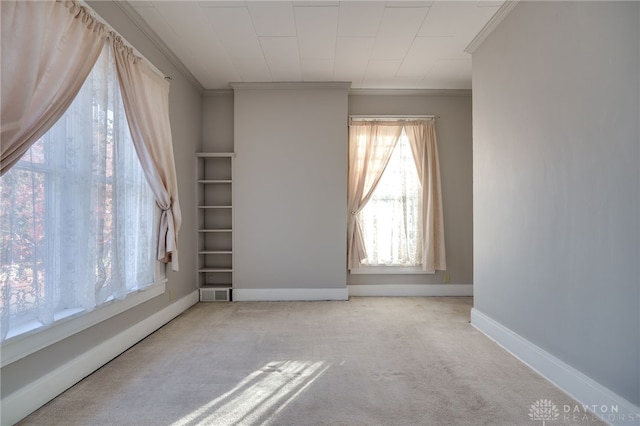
(78, 219)
(390, 220)
(393, 196)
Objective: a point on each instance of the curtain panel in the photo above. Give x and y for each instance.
(146, 103)
(370, 147)
(422, 137)
(63, 43)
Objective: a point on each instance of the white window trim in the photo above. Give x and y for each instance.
(389, 270)
(72, 322)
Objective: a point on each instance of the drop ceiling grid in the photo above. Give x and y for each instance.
(371, 43)
(317, 29)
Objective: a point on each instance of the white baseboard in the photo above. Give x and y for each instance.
(288, 294)
(403, 290)
(602, 402)
(23, 402)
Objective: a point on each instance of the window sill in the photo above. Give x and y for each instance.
(33, 336)
(389, 270)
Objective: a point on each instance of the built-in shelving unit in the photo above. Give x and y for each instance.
(214, 196)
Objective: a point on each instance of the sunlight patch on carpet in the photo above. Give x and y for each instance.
(259, 396)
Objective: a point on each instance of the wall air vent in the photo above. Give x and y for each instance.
(215, 294)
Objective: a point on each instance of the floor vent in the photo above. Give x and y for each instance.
(215, 294)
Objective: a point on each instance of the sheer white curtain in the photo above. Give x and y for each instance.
(422, 136)
(391, 219)
(48, 49)
(63, 41)
(146, 101)
(78, 220)
(370, 147)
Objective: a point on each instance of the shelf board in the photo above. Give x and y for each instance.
(215, 154)
(219, 269)
(215, 181)
(214, 230)
(215, 252)
(215, 207)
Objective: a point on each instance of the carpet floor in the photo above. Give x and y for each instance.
(366, 361)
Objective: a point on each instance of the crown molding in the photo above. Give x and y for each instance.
(411, 92)
(491, 25)
(208, 93)
(293, 85)
(142, 25)
(339, 85)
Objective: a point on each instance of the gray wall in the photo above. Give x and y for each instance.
(185, 113)
(217, 121)
(290, 187)
(453, 132)
(557, 184)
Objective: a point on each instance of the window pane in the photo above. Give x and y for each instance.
(390, 221)
(78, 221)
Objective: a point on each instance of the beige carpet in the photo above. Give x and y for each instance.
(368, 361)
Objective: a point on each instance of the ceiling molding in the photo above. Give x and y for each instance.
(157, 42)
(293, 85)
(412, 92)
(217, 92)
(491, 25)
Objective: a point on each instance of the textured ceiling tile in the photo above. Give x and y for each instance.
(220, 3)
(235, 30)
(358, 48)
(281, 54)
(317, 69)
(352, 57)
(381, 69)
(439, 48)
(316, 3)
(418, 60)
(273, 18)
(455, 18)
(398, 3)
(398, 28)
(252, 69)
(316, 28)
(361, 19)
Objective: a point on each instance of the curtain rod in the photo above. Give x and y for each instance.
(390, 117)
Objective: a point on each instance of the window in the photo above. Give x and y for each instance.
(390, 221)
(78, 225)
(393, 196)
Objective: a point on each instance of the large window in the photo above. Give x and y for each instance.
(393, 195)
(78, 221)
(390, 221)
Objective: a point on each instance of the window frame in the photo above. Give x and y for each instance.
(389, 270)
(364, 269)
(73, 321)
(30, 335)
(34, 336)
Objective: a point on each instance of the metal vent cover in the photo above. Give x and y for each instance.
(215, 295)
